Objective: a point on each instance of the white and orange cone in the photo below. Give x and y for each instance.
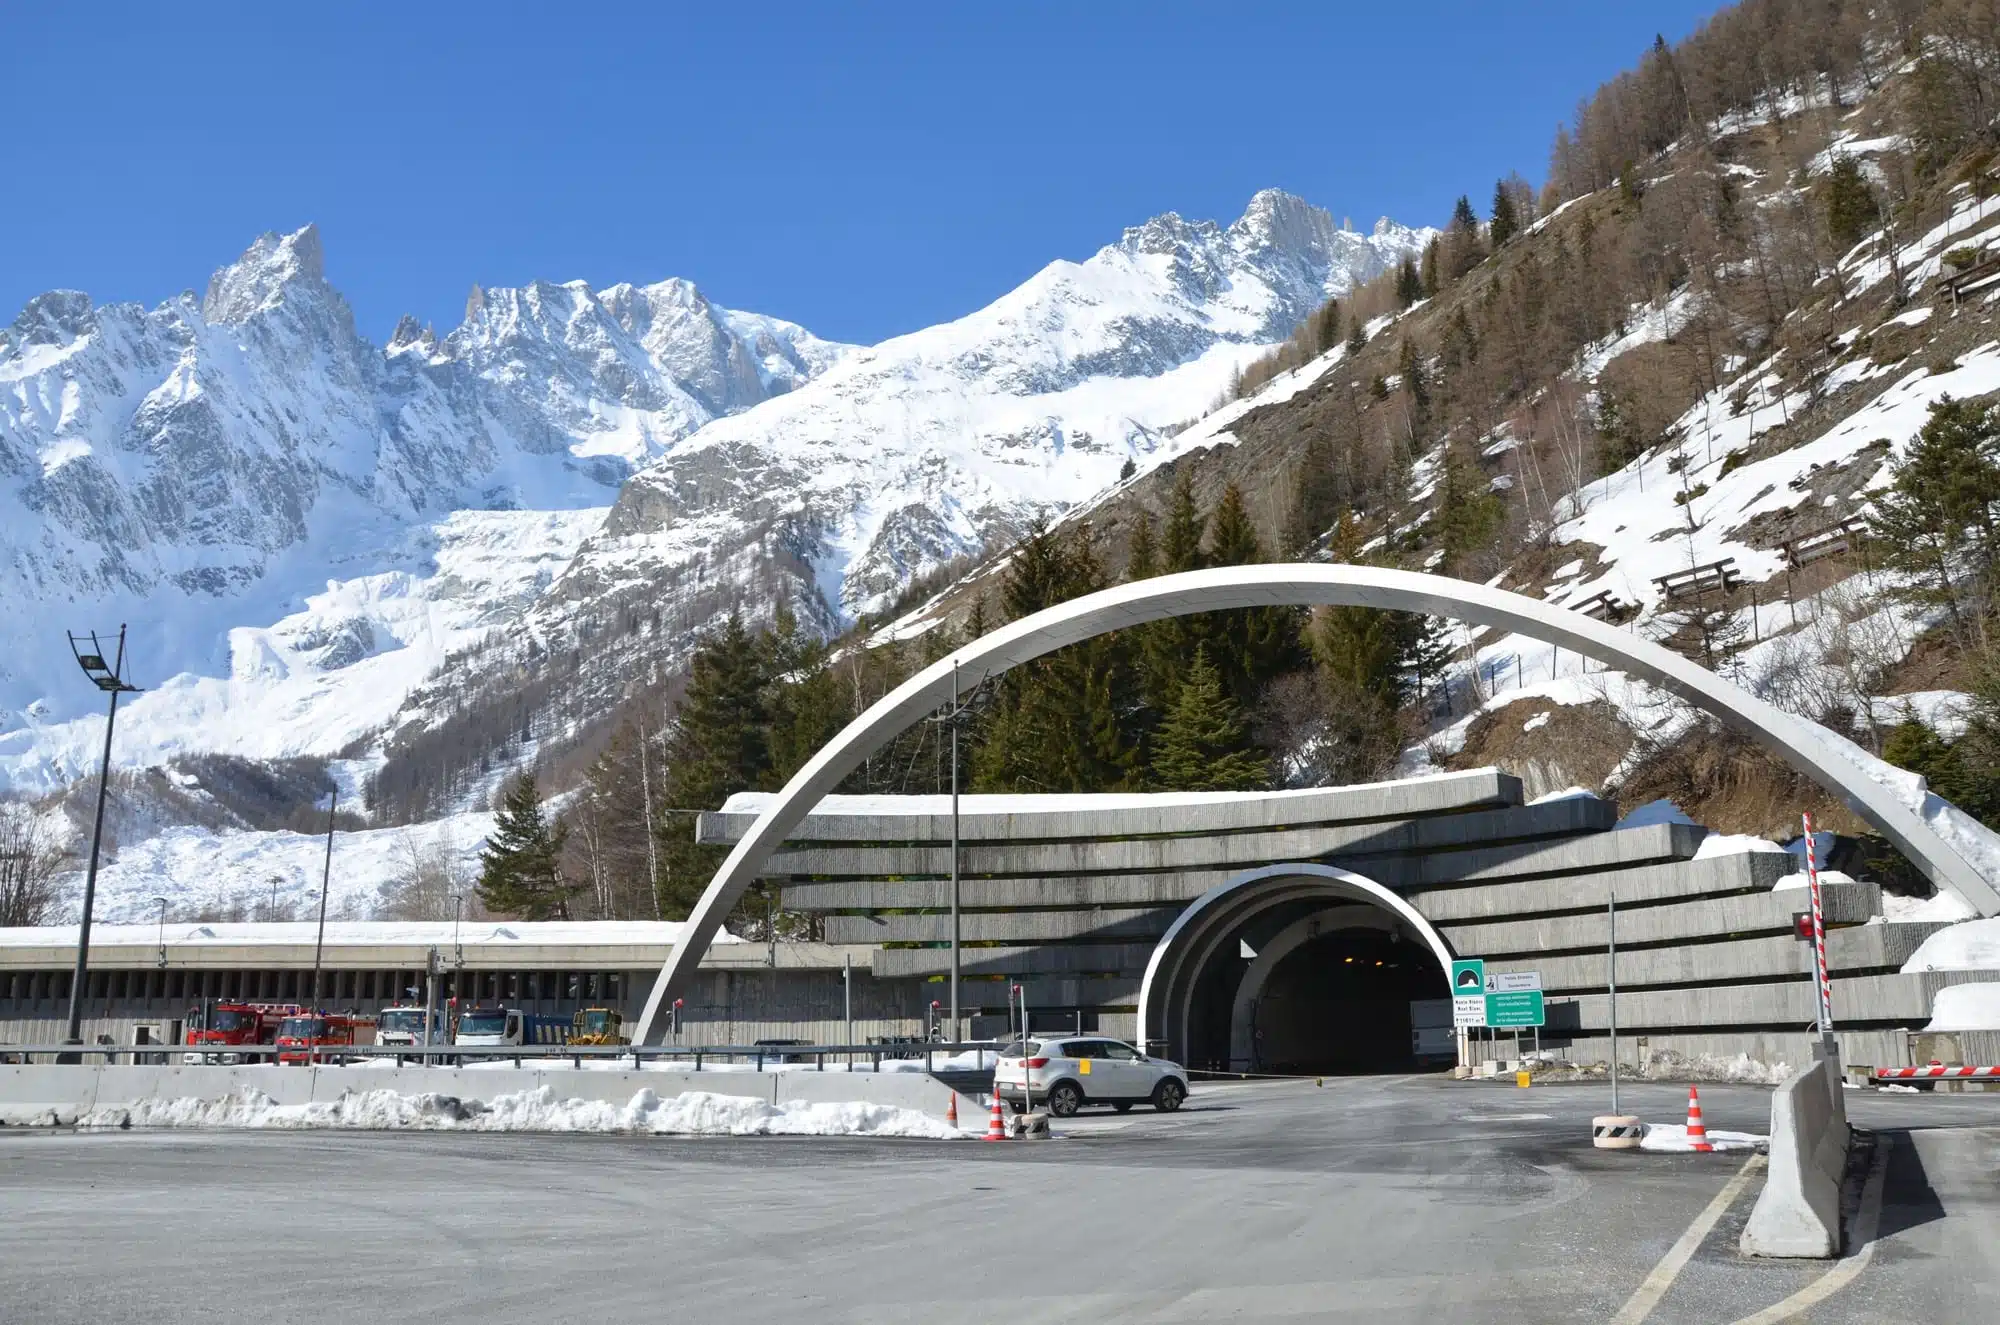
(996, 1126)
(1697, 1132)
(951, 1108)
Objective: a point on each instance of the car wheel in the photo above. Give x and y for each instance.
(1168, 1095)
(1065, 1099)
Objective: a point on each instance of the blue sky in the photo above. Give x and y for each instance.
(865, 169)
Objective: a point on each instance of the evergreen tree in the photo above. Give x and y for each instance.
(1429, 278)
(1468, 512)
(1140, 560)
(1357, 337)
(1505, 221)
(520, 871)
(1409, 285)
(1315, 499)
(1940, 518)
(719, 745)
(1164, 647)
(1850, 205)
(1181, 549)
(1249, 646)
(1202, 744)
(1326, 327)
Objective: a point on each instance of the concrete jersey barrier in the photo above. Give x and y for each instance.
(1798, 1213)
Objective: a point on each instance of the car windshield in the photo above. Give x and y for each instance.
(482, 1023)
(222, 1020)
(596, 1021)
(303, 1028)
(409, 1020)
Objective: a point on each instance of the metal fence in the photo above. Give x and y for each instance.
(457, 1055)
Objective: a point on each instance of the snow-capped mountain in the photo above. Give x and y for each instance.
(298, 525)
(929, 445)
(302, 528)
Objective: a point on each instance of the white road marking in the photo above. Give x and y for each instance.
(1662, 1278)
(1844, 1272)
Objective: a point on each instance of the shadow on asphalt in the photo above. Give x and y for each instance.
(1908, 1199)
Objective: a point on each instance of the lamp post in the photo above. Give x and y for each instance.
(325, 883)
(161, 902)
(955, 715)
(110, 678)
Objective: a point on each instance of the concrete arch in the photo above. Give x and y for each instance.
(1804, 745)
(1166, 994)
(1296, 935)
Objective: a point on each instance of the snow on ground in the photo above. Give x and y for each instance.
(1673, 1138)
(214, 870)
(695, 1113)
(1966, 1008)
(484, 936)
(1944, 711)
(1941, 906)
(1971, 946)
(1657, 812)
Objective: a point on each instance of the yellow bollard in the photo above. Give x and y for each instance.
(1521, 1080)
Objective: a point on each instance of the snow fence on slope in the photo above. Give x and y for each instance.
(692, 1113)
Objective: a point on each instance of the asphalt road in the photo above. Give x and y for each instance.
(1385, 1198)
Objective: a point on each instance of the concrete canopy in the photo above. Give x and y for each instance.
(1804, 745)
(1166, 995)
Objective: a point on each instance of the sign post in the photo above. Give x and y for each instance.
(1822, 986)
(1468, 1002)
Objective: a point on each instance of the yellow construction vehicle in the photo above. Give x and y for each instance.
(597, 1026)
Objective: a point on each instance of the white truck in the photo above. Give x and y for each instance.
(403, 1025)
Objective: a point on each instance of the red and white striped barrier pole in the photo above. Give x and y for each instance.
(1822, 986)
(1935, 1072)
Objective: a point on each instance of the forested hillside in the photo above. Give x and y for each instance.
(1745, 323)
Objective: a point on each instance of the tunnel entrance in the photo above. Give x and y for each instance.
(1340, 1003)
(1305, 968)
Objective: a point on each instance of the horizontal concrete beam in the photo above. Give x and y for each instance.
(1903, 999)
(1622, 849)
(1675, 880)
(1773, 957)
(1174, 889)
(908, 819)
(1003, 926)
(1743, 913)
(1124, 958)
(1196, 851)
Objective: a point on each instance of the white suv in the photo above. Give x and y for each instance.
(1069, 1071)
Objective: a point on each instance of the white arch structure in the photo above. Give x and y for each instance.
(1804, 745)
(1166, 994)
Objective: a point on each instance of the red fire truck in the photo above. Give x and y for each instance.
(227, 1022)
(318, 1037)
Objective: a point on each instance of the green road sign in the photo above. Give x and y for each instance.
(1468, 977)
(1517, 1009)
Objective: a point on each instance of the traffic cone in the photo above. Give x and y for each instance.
(1697, 1133)
(996, 1126)
(951, 1108)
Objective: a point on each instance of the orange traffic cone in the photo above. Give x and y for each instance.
(951, 1108)
(996, 1126)
(1697, 1133)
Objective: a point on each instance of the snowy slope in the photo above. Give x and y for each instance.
(297, 525)
(930, 445)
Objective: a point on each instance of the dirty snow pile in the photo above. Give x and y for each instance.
(1673, 1137)
(696, 1113)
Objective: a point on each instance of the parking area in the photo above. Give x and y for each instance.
(1385, 1198)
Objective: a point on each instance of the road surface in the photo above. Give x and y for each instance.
(1375, 1198)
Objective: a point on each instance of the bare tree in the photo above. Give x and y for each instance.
(429, 872)
(31, 856)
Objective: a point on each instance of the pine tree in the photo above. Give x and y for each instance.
(1202, 744)
(1409, 285)
(520, 872)
(1139, 561)
(1468, 511)
(1249, 646)
(1326, 327)
(1429, 278)
(719, 745)
(1315, 499)
(1181, 549)
(1505, 221)
(1850, 205)
(1941, 515)
(1357, 337)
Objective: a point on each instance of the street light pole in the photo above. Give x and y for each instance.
(1611, 919)
(161, 902)
(112, 680)
(325, 882)
(957, 1027)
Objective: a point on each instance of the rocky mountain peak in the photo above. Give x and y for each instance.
(260, 278)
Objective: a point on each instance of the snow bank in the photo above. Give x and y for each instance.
(1734, 844)
(1661, 811)
(1966, 1008)
(696, 1113)
(1972, 946)
(1673, 1138)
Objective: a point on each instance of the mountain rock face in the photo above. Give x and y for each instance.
(933, 444)
(554, 497)
(204, 468)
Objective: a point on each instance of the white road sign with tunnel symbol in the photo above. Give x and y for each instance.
(1468, 993)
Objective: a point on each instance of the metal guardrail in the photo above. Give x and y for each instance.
(455, 1054)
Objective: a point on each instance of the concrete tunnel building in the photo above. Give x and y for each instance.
(1309, 930)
